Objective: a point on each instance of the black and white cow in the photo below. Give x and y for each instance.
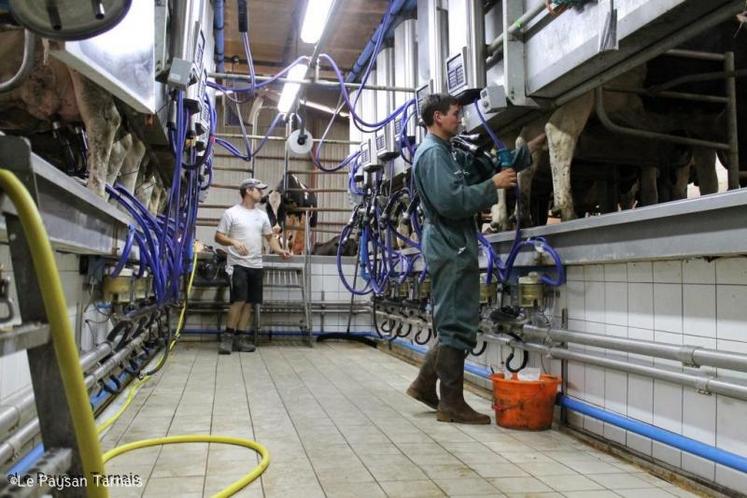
(288, 195)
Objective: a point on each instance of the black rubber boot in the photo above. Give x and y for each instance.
(423, 387)
(243, 343)
(226, 343)
(452, 407)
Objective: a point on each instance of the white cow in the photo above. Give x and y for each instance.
(563, 128)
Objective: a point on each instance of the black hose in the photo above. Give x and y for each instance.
(482, 350)
(427, 339)
(243, 16)
(525, 357)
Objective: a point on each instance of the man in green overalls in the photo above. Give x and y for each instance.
(453, 188)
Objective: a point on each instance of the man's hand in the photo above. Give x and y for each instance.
(505, 179)
(240, 248)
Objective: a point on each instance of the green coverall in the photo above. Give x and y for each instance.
(453, 188)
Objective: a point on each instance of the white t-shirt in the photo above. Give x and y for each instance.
(247, 226)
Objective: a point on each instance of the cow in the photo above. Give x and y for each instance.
(330, 247)
(54, 93)
(291, 194)
(665, 169)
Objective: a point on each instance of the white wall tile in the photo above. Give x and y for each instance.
(641, 305)
(641, 398)
(594, 273)
(699, 416)
(575, 419)
(668, 272)
(698, 466)
(614, 433)
(731, 271)
(594, 426)
(639, 443)
(576, 303)
(594, 301)
(699, 310)
(730, 419)
(666, 454)
(731, 478)
(616, 272)
(668, 406)
(594, 385)
(616, 303)
(616, 391)
(698, 271)
(731, 312)
(668, 307)
(640, 272)
(574, 273)
(576, 380)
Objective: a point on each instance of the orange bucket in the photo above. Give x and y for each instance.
(524, 404)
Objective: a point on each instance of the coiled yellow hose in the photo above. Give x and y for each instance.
(66, 353)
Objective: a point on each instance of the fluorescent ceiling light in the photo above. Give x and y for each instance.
(312, 105)
(317, 13)
(290, 90)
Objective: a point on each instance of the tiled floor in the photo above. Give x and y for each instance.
(337, 423)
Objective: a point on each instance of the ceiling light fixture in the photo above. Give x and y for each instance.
(290, 90)
(314, 20)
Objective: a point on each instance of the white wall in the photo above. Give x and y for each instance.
(694, 302)
(326, 287)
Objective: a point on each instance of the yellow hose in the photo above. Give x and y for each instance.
(200, 438)
(61, 330)
(192, 438)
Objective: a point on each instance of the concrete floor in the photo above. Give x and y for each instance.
(337, 423)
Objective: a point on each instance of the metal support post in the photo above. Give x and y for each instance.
(732, 124)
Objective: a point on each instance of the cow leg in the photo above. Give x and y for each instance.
(119, 152)
(563, 129)
(705, 168)
(144, 191)
(155, 199)
(682, 178)
(649, 191)
(499, 213)
(101, 119)
(131, 165)
(525, 179)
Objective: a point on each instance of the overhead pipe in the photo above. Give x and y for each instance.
(27, 63)
(495, 45)
(397, 7)
(652, 135)
(688, 355)
(310, 82)
(704, 23)
(218, 25)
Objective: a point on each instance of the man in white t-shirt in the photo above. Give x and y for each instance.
(241, 228)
